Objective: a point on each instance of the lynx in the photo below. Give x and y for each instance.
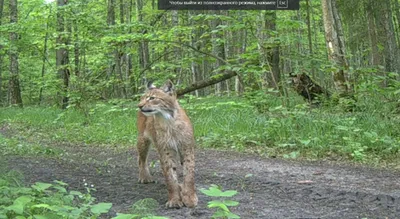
(162, 122)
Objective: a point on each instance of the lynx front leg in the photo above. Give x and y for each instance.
(188, 192)
(143, 146)
(169, 161)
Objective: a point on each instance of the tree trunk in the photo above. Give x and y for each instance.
(13, 86)
(144, 57)
(241, 49)
(195, 67)
(45, 55)
(269, 51)
(309, 37)
(391, 49)
(111, 13)
(120, 55)
(129, 82)
(396, 8)
(121, 11)
(76, 50)
(1, 56)
(335, 45)
(178, 55)
(375, 56)
(217, 49)
(228, 48)
(111, 65)
(62, 53)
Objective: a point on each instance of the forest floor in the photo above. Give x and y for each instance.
(267, 188)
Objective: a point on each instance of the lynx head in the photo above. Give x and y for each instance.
(159, 101)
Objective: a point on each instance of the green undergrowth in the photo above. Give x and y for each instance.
(56, 200)
(18, 146)
(298, 131)
(283, 128)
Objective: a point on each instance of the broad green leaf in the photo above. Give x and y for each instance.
(42, 206)
(228, 193)
(215, 192)
(100, 208)
(230, 203)
(220, 214)
(75, 193)
(155, 217)
(232, 215)
(41, 186)
(60, 189)
(125, 216)
(60, 183)
(212, 191)
(217, 204)
(19, 204)
(77, 212)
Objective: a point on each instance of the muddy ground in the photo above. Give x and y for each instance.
(273, 188)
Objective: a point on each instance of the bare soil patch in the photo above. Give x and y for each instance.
(273, 188)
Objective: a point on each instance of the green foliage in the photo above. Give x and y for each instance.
(222, 205)
(98, 123)
(142, 209)
(17, 146)
(47, 200)
(145, 207)
(290, 131)
(299, 131)
(54, 200)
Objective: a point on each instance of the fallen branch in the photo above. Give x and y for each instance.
(207, 82)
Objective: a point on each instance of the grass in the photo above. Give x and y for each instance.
(102, 125)
(363, 136)
(291, 131)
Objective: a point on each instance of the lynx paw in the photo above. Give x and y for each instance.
(145, 180)
(174, 203)
(190, 200)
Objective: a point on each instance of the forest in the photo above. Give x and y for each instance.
(318, 84)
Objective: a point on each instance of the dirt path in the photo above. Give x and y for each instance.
(275, 188)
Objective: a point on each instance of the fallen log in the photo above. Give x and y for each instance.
(206, 82)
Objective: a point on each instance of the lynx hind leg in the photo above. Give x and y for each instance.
(188, 192)
(143, 146)
(169, 164)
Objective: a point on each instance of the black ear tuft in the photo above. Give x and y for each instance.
(150, 85)
(168, 87)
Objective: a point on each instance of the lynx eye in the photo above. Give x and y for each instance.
(150, 98)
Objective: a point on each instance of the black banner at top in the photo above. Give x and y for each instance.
(228, 4)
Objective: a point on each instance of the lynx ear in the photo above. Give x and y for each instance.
(150, 85)
(168, 87)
